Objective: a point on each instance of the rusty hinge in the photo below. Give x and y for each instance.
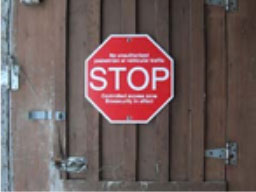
(229, 153)
(71, 164)
(229, 5)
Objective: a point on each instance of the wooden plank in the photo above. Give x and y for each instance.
(197, 91)
(128, 20)
(60, 132)
(40, 50)
(79, 185)
(119, 142)
(241, 28)
(187, 125)
(216, 73)
(83, 122)
(153, 19)
(179, 125)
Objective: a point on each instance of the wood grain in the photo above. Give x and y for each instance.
(119, 142)
(60, 133)
(241, 30)
(197, 91)
(179, 125)
(84, 37)
(40, 51)
(216, 89)
(153, 19)
(215, 83)
(188, 107)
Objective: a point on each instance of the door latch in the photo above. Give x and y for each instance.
(46, 115)
(72, 164)
(229, 153)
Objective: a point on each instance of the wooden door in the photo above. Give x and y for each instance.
(241, 53)
(214, 53)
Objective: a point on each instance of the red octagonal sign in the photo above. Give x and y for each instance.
(129, 78)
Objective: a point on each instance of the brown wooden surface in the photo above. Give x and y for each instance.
(40, 51)
(216, 89)
(215, 83)
(79, 185)
(188, 107)
(241, 32)
(119, 142)
(83, 119)
(142, 153)
(197, 91)
(179, 125)
(60, 146)
(153, 164)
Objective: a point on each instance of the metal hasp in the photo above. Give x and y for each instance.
(229, 154)
(229, 5)
(60, 116)
(40, 115)
(30, 2)
(10, 75)
(72, 164)
(46, 115)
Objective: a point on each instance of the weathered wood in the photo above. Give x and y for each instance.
(241, 29)
(216, 94)
(119, 142)
(197, 91)
(40, 51)
(153, 19)
(144, 186)
(60, 132)
(188, 123)
(179, 124)
(83, 122)
(128, 17)
(218, 69)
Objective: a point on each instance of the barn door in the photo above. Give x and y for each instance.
(53, 40)
(169, 148)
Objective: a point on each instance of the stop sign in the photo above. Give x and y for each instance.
(129, 78)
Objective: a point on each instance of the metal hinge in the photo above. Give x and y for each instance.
(46, 115)
(229, 153)
(229, 5)
(72, 164)
(10, 75)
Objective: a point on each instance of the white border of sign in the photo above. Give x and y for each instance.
(128, 121)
